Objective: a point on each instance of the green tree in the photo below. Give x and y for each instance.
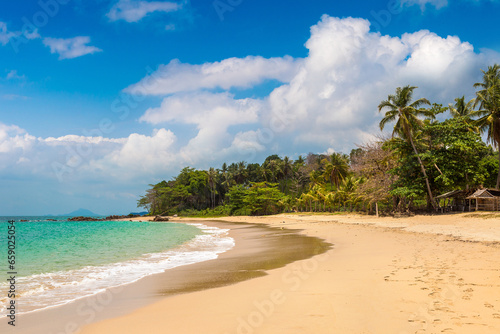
(336, 168)
(488, 99)
(264, 199)
(458, 151)
(461, 108)
(212, 176)
(287, 171)
(236, 196)
(405, 112)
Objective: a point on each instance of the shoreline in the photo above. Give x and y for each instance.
(424, 274)
(251, 242)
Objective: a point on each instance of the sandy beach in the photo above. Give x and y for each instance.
(424, 274)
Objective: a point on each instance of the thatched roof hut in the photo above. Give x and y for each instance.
(455, 200)
(486, 199)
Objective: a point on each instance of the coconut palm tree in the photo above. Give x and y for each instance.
(405, 112)
(212, 176)
(461, 108)
(241, 172)
(274, 169)
(286, 170)
(336, 168)
(488, 99)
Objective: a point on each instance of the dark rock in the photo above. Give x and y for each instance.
(161, 219)
(83, 219)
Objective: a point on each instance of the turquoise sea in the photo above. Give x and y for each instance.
(59, 261)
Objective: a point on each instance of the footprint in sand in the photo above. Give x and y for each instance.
(488, 305)
(447, 330)
(496, 315)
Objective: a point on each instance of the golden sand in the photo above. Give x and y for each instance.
(424, 274)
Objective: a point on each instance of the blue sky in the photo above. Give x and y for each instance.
(99, 98)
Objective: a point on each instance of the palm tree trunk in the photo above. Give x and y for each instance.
(425, 174)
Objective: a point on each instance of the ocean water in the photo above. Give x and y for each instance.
(58, 262)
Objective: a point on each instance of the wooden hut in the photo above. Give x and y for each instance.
(456, 200)
(485, 200)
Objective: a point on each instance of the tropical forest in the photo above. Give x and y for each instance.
(421, 156)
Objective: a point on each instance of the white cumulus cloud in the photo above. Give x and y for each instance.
(232, 72)
(68, 48)
(349, 70)
(212, 114)
(328, 99)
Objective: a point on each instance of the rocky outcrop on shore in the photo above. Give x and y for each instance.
(92, 219)
(84, 219)
(161, 219)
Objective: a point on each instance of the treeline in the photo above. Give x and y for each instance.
(422, 158)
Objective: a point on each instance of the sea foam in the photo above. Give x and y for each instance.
(37, 292)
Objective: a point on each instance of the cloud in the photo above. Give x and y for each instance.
(16, 37)
(232, 72)
(438, 4)
(13, 75)
(349, 70)
(70, 47)
(134, 11)
(5, 34)
(73, 157)
(328, 99)
(12, 137)
(422, 3)
(138, 156)
(212, 114)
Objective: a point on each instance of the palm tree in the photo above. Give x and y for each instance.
(307, 198)
(318, 192)
(241, 172)
(488, 98)
(405, 112)
(299, 162)
(336, 169)
(274, 169)
(461, 108)
(212, 175)
(287, 170)
(349, 189)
